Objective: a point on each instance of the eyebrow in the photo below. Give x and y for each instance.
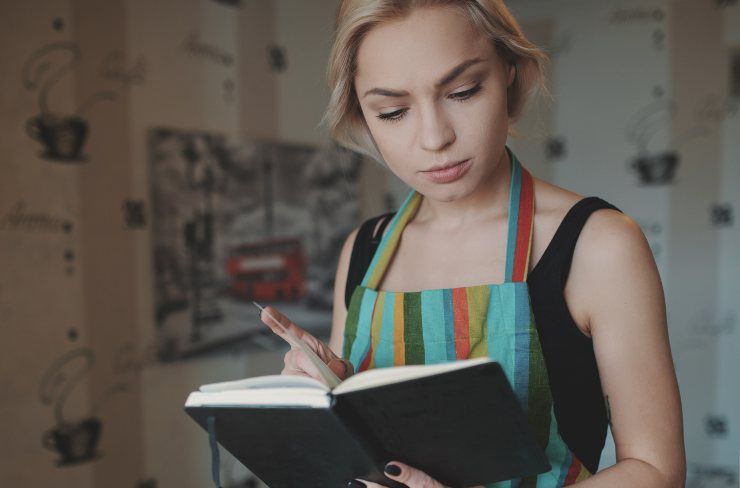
(451, 75)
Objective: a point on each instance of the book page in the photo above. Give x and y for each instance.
(261, 397)
(268, 381)
(383, 376)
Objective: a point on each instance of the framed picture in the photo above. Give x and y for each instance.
(241, 220)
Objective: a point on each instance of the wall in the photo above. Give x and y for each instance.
(207, 70)
(75, 241)
(646, 82)
(42, 309)
(75, 249)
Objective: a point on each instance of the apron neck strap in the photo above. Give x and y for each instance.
(389, 242)
(521, 221)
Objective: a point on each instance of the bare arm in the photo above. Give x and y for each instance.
(627, 320)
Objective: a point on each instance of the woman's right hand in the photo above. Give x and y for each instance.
(296, 361)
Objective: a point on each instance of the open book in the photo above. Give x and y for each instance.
(459, 421)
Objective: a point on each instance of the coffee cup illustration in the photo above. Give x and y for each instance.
(656, 168)
(62, 136)
(75, 442)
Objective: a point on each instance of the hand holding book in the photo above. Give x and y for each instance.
(456, 423)
(403, 473)
(297, 360)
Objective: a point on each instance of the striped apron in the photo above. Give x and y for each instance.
(387, 328)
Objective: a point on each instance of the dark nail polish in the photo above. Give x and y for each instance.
(356, 484)
(392, 469)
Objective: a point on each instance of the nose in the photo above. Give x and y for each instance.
(436, 129)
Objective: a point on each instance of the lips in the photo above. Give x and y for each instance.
(444, 166)
(449, 174)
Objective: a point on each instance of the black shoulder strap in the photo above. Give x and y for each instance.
(559, 253)
(362, 252)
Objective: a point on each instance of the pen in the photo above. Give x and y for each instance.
(327, 374)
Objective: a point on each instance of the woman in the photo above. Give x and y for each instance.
(419, 85)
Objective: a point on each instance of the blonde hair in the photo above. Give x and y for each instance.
(343, 116)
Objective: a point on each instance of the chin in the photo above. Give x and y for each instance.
(448, 192)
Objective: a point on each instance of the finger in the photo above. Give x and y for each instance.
(322, 350)
(409, 476)
(296, 362)
(296, 359)
(294, 371)
(301, 360)
(341, 367)
(274, 319)
(293, 360)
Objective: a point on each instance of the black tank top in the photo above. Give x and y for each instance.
(579, 404)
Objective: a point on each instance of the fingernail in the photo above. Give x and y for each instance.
(356, 484)
(392, 469)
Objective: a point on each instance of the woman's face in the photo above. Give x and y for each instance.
(417, 123)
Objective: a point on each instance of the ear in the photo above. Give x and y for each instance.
(512, 75)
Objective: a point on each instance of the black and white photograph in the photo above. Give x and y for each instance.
(242, 220)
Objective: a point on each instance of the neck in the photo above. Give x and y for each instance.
(489, 199)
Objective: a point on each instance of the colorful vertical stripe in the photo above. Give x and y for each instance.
(388, 244)
(386, 328)
(435, 338)
(413, 336)
(459, 298)
(525, 222)
(399, 348)
(515, 195)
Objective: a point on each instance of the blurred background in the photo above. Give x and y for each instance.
(161, 167)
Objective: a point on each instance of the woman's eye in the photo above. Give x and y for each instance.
(392, 116)
(458, 97)
(464, 95)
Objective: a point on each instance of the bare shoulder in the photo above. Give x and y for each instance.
(553, 202)
(611, 254)
(608, 231)
(603, 231)
(611, 246)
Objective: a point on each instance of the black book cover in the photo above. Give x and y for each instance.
(289, 447)
(447, 424)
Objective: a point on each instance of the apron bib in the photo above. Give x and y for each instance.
(386, 328)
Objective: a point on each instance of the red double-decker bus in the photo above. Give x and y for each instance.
(270, 270)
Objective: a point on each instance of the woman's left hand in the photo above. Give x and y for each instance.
(411, 477)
